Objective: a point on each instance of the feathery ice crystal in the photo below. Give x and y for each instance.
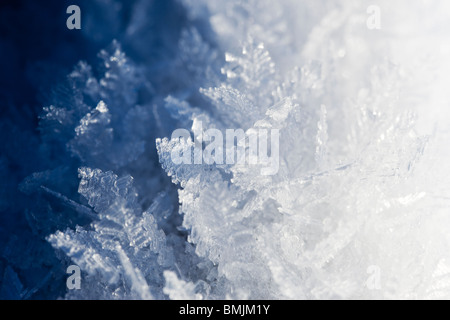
(362, 179)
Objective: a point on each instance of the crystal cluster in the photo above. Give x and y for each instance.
(356, 208)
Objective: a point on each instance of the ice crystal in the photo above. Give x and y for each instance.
(352, 119)
(123, 245)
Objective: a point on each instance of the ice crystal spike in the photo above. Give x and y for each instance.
(253, 69)
(299, 223)
(123, 246)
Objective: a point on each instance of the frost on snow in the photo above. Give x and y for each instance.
(357, 207)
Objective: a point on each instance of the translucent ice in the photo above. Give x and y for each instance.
(356, 208)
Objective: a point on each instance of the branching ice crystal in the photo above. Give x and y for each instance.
(353, 119)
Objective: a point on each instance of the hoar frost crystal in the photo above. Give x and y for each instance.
(357, 205)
